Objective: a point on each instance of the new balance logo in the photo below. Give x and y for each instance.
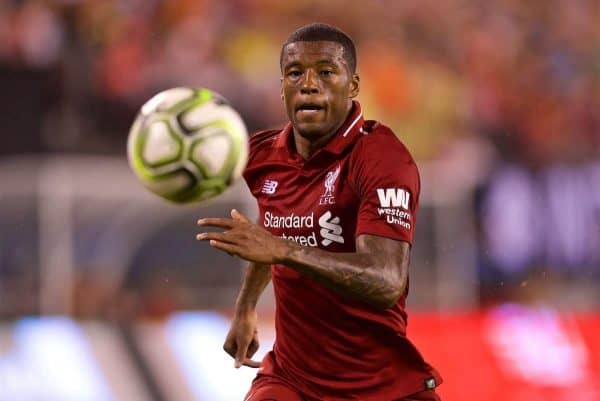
(330, 229)
(269, 187)
(394, 197)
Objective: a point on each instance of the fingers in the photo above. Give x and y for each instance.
(216, 222)
(223, 246)
(230, 347)
(222, 222)
(237, 353)
(220, 241)
(240, 354)
(221, 237)
(252, 348)
(236, 215)
(251, 363)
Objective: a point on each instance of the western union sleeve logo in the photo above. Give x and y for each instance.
(394, 204)
(393, 197)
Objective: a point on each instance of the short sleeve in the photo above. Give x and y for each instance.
(258, 145)
(388, 184)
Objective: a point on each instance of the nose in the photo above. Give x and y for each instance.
(310, 85)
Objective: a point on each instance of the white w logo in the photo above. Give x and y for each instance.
(394, 196)
(331, 229)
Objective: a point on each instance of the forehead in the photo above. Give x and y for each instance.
(309, 52)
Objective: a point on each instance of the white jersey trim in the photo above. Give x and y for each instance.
(352, 125)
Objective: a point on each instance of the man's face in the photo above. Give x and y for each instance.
(317, 87)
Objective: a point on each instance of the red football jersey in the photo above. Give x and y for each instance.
(364, 181)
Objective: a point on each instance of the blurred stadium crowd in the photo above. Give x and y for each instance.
(499, 97)
(522, 74)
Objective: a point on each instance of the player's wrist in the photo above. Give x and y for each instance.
(285, 249)
(245, 309)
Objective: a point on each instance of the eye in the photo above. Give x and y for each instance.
(294, 73)
(326, 73)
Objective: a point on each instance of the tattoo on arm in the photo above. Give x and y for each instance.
(376, 273)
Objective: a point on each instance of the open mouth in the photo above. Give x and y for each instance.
(309, 108)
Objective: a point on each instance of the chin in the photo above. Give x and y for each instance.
(311, 131)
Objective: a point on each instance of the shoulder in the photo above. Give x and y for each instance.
(262, 137)
(261, 145)
(381, 160)
(261, 142)
(379, 144)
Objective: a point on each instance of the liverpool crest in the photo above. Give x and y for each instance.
(327, 198)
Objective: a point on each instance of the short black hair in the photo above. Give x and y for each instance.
(316, 32)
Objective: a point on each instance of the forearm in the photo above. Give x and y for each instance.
(358, 275)
(256, 280)
(375, 273)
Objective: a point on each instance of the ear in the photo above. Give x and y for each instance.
(281, 91)
(354, 86)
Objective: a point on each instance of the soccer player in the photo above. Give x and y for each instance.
(337, 197)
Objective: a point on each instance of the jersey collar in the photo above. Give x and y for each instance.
(345, 136)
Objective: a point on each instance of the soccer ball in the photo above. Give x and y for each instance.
(187, 145)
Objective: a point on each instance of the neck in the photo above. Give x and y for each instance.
(306, 147)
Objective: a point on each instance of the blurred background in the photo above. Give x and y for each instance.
(105, 294)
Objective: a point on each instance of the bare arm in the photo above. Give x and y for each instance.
(256, 280)
(376, 273)
(242, 339)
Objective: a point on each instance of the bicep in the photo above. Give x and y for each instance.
(385, 252)
(390, 258)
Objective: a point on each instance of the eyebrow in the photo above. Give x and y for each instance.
(290, 65)
(319, 62)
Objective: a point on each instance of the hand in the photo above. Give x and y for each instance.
(244, 239)
(242, 340)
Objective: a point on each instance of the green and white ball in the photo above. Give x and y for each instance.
(187, 145)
